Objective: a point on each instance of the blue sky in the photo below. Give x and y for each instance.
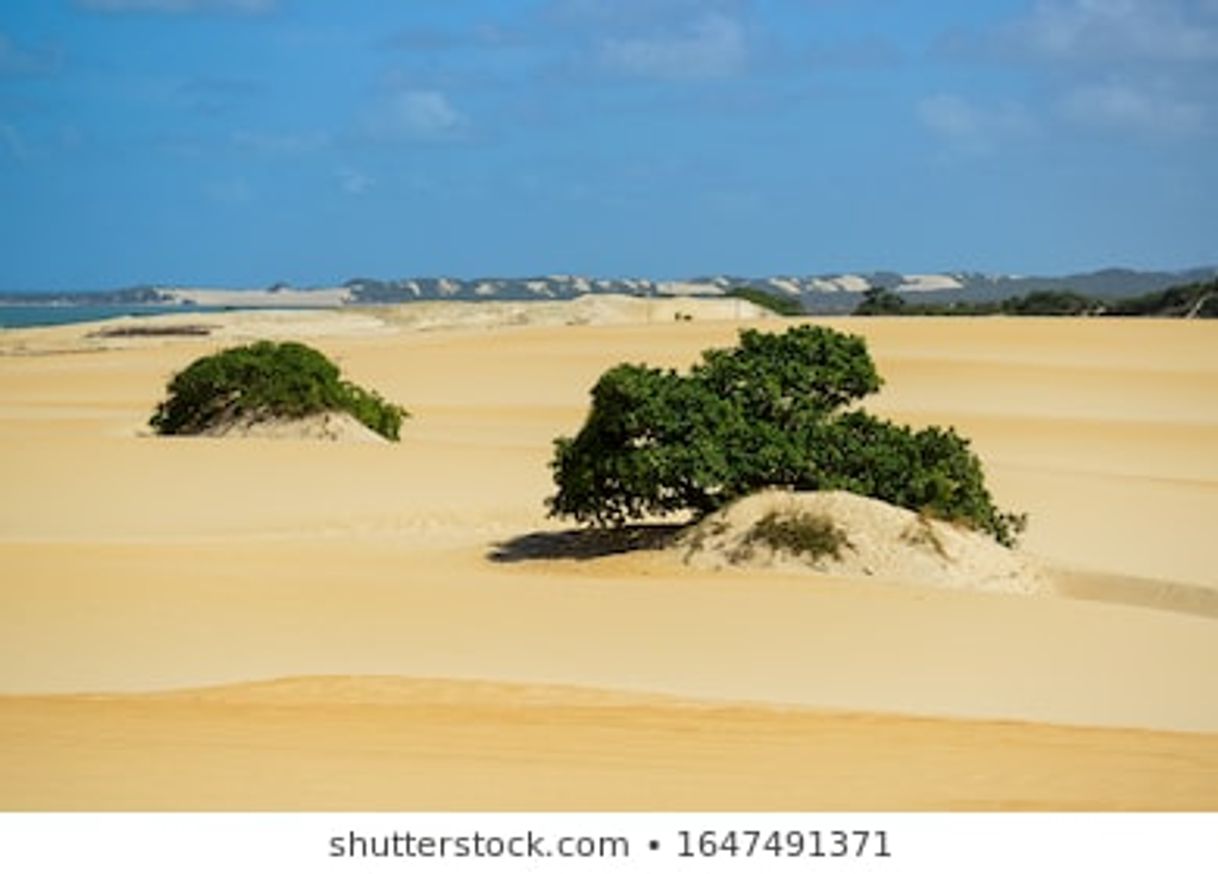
(244, 142)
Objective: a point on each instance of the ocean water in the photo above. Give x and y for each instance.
(33, 315)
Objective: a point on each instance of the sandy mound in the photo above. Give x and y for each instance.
(373, 320)
(172, 328)
(844, 534)
(590, 309)
(332, 426)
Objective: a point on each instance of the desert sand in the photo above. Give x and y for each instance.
(205, 623)
(871, 539)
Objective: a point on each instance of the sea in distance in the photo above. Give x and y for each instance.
(27, 315)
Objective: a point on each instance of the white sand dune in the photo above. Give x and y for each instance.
(228, 328)
(329, 426)
(263, 297)
(877, 540)
(132, 565)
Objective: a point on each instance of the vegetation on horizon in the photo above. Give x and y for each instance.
(777, 303)
(264, 381)
(1195, 300)
(769, 412)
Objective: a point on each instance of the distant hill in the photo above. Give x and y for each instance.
(832, 293)
(829, 293)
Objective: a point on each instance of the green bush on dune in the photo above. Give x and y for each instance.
(783, 305)
(268, 380)
(772, 411)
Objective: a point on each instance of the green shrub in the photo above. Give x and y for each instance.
(931, 471)
(1051, 303)
(769, 412)
(804, 533)
(1198, 299)
(880, 302)
(267, 380)
(775, 303)
(790, 378)
(656, 442)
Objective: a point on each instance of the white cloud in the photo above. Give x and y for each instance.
(1121, 30)
(1125, 106)
(244, 7)
(712, 46)
(970, 127)
(1122, 65)
(354, 182)
(416, 115)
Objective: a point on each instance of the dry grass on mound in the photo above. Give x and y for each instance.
(845, 534)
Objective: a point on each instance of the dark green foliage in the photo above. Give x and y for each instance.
(768, 412)
(790, 378)
(931, 470)
(646, 448)
(802, 534)
(880, 302)
(267, 380)
(373, 410)
(1051, 303)
(1198, 299)
(778, 303)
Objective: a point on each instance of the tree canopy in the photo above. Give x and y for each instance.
(268, 380)
(773, 411)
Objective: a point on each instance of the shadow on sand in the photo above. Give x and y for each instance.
(583, 543)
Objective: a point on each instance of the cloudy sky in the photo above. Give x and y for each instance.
(244, 142)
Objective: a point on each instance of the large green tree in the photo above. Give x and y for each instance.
(773, 411)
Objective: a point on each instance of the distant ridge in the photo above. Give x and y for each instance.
(827, 293)
(818, 294)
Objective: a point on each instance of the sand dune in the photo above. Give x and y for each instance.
(329, 426)
(413, 602)
(131, 564)
(377, 744)
(876, 540)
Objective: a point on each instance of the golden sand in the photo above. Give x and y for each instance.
(131, 565)
(369, 744)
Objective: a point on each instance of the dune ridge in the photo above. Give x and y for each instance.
(338, 743)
